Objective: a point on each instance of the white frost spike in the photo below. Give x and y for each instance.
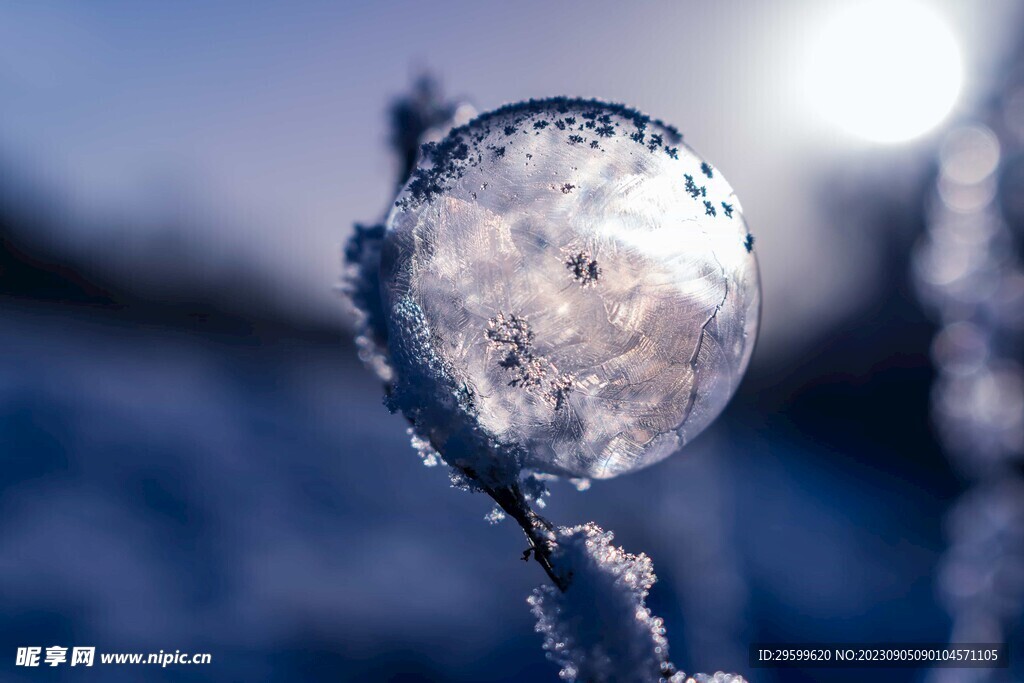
(568, 287)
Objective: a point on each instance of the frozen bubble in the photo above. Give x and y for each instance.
(575, 282)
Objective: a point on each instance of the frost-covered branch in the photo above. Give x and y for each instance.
(539, 531)
(598, 628)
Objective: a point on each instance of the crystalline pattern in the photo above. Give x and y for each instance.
(580, 273)
(600, 629)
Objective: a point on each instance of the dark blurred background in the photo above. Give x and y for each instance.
(193, 457)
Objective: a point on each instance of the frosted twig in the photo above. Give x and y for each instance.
(539, 531)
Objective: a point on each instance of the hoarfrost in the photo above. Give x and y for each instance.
(600, 629)
(428, 455)
(580, 484)
(535, 488)
(495, 516)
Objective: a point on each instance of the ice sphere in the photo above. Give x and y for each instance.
(568, 283)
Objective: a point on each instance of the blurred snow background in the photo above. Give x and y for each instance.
(193, 457)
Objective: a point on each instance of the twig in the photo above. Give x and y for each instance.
(539, 531)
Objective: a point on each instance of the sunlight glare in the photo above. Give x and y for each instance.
(886, 71)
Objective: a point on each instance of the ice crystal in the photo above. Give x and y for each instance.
(428, 455)
(535, 488)
(599, 629)
(580, 484)
(512, 337)
(362, 284)
(586, 331)
(495, 516)
(584, 269)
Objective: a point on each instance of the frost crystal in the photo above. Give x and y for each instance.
(599, 629)
(428, 455)
(362, 284)
(584, 269)
(561, 290)
(495, 516)
(535, 490)
(580, 484)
